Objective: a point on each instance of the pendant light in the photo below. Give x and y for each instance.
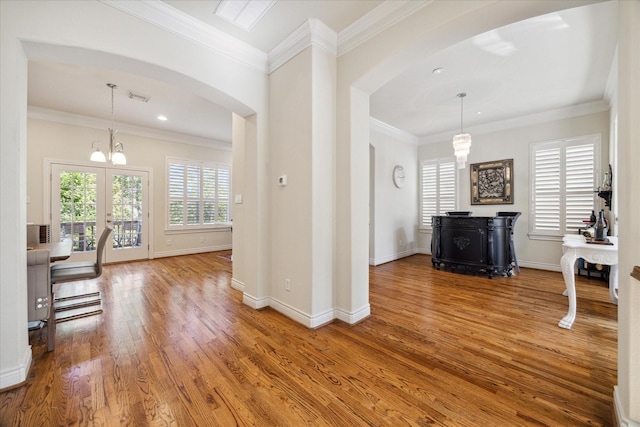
(461, 141)
(116, 149)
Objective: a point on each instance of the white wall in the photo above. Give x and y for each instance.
(82, 33)
(302, 112)
(58, 141)
(290, 153)
(515, 144)
(395, 218)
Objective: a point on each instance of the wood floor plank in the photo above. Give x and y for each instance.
(176, 346)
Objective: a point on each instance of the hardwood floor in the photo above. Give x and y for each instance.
(175, 346)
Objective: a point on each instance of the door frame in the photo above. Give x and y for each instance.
(47, 190)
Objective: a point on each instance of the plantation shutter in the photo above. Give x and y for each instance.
(562, 185)
(429, 193)
(580, 183)
(438, 189)
(447, 188)
(198, 194)
(547, 190)
(223, 194)
(176, 194)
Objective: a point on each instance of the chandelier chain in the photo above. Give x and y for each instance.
(112, 86)
(461, 96)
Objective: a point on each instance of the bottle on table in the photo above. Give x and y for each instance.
(600, 227)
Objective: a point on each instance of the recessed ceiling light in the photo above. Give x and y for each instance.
(244, 13)
(438, 70)
(162, 118)
(478, 112)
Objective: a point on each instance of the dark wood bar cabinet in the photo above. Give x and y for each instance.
(475, 244)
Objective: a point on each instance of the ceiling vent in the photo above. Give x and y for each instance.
(244, 13)
(139, 97)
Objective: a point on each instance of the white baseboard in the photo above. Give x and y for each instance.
(353, 317)
(300, 316)
(253, 302)
(16, 375)
(310, 321)
(391, 257)
(237, 285)
(540, 266)
(191, 251)
(622, 420)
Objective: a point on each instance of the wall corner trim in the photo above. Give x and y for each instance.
(17, 375)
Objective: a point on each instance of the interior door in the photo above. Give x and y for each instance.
(84, 199)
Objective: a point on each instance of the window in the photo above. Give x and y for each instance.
(198, 194)
(438, 189)
(563, 180)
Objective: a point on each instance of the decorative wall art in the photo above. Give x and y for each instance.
(492, 183)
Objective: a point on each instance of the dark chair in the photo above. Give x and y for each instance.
(39, 292)
(511, 224)
(72, 271)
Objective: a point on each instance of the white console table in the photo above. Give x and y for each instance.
(574, 247)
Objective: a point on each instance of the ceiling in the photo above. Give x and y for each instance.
(531, 67)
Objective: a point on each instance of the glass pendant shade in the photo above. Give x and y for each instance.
(98, 156)
(461, 141)
(461, 146)
(118, 157)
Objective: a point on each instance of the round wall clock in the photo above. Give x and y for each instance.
(398, 176)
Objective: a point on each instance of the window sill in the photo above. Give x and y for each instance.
(547, 237)
(216, 228)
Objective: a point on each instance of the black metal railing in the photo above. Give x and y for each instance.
(126, 234)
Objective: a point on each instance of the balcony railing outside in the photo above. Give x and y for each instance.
(126, 234)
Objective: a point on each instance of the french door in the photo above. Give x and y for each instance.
(85, 199)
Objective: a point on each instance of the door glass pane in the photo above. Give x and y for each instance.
(78, 209)
(127, 211)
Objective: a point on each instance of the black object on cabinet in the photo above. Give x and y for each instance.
(474, 244)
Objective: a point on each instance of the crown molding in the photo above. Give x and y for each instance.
(528, 120)
(395, 133)
(95, 123)
(376, 21)
(311, 33)
(323, 37)
(177, 22)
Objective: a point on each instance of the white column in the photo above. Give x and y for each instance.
(627, 393)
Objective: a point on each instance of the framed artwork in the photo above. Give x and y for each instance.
(492, 183)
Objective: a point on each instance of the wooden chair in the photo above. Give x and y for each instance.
(39, 292)
(73, 271)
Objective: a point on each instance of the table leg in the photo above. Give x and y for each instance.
(51, 325)
(613, 283)
(567, 262)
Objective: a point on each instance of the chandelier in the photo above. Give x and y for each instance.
(461, 141)
(116, 154)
